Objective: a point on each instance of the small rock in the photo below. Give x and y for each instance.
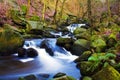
(21, 52)
(32, 52)
(30, 77)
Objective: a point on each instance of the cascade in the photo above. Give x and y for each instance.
(61, 61)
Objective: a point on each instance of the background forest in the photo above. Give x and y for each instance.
(88, 29)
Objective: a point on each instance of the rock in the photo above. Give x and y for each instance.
(32, 52)
(84, 56)
(79, 30)
(80, 46)
(83, 35)
(30, 77)
(107, 73)
(59, 75)
(21, 52)
(98, 43)
(62, 76)
(10, 41)
(34, 27)
(111, 42)
(65, 42)
(87, 78)
(21, 78)
(88, 68)
(45, 44)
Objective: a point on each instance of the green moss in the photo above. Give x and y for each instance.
(107, 73)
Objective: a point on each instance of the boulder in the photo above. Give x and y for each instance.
(83, 35)
(79, 30)
(80, 46)
(32, 52)
(21, 52)
(107, 73)
(84, 56)
(30, 77)
(65, 42)
(45, 44)
(88, 68)
(98, 43)
(62, 76)
(10, 41)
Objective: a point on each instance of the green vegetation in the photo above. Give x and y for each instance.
(97, 44)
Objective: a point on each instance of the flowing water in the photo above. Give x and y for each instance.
(61, 61)
(12, 67)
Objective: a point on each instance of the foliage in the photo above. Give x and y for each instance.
(4, 17)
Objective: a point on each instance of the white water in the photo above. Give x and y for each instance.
(62, 61)
(72, 27)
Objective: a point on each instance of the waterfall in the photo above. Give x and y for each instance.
(61, 61)
(72, 27)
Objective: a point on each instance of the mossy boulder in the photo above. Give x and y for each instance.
(84, 56)
(87, 68)
(79, 30)
(65, 42)
(107, 73)
(10, 41)
(80, 46)
(87, 78)
(98, 43)
(62, 76)
(83, 35)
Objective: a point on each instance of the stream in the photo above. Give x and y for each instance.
(12, 67)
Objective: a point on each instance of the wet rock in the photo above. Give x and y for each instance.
(21, 52)
(84, 56)
(87, 78)
(59, 75)
(47, 46)
(88, 68)
(62, 76)
(65, 42)
(32, 52)
(107, 73)
(30, 77)
(80, 46)
(10, 41)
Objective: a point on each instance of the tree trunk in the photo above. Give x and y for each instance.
(109, 11)
(55, 13)
(43, 11)
(61, 12)
(28, 7)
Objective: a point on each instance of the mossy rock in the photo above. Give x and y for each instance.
(84, 56)
(10, 41)
(107, 73)
(79, 30)
(88, 68)
(80, 46)
(87, 78)
(62, 76)
(83, 35)
(65, 42)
